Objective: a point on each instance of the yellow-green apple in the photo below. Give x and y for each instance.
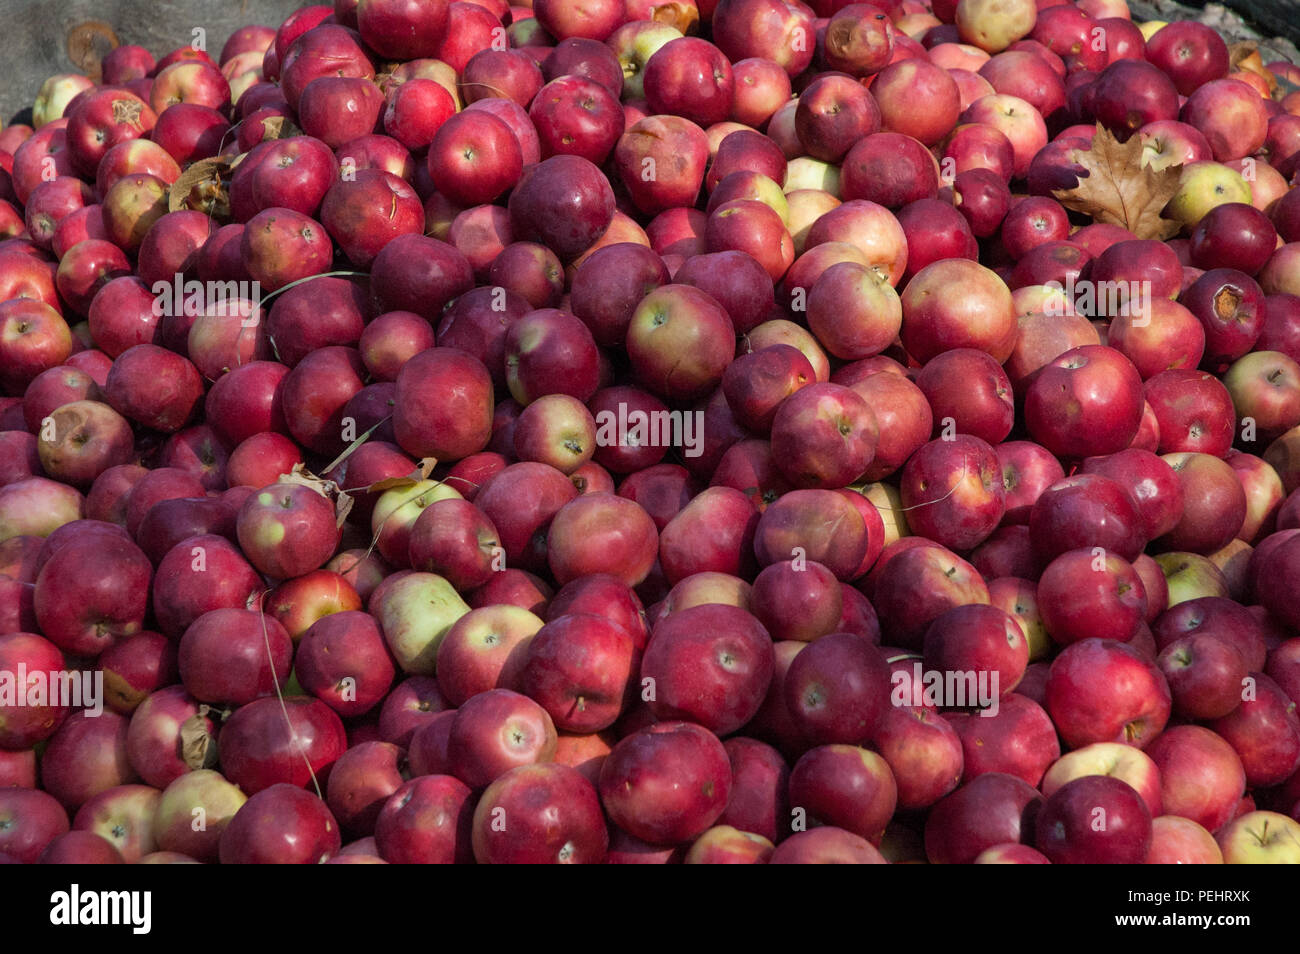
(1203, 185)
(415, 611)
(1190, 577)
(633, 44)
(1260, 837)
(202, 794)
(993, 26)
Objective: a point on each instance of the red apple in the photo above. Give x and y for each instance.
(667, 783)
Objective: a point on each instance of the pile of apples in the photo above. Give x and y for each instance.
(367, 577)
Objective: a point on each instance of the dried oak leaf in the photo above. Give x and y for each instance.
(201, 187)
(1120, 190)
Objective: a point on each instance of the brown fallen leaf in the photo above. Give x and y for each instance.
(323, 486)
(1120, 190)
(1245, 56)
(685, 17)
(197, 748)
(279, 127)
(420, 474)
(201, 187)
